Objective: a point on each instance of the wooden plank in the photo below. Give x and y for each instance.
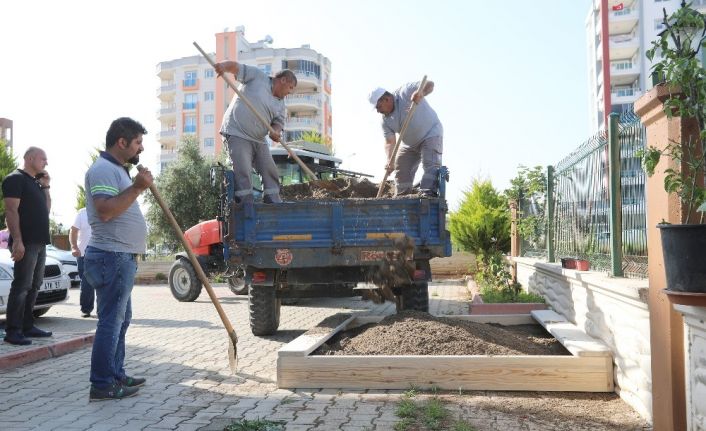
(513, 373)
(315, 337)
(574, 339)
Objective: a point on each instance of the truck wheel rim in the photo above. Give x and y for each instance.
(181, 281)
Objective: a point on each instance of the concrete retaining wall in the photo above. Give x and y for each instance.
(613, 310)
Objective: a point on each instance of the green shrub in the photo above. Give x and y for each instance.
(160, 276)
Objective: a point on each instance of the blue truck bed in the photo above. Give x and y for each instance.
(337, 232)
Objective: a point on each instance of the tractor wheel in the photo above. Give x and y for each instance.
(264, 310)
(183, 282)
(415, 296)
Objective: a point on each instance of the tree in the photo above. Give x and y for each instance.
(7, 165)
(312, 136)
(482, 223)
(186, 189)
(81, 192)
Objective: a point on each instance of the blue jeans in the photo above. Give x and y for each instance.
(112, 274)
(28, 278)
(88, 293)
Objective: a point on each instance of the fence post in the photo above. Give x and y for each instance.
(550, 214)
(514, 236)
(616, 201)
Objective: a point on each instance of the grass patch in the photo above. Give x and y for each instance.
(429, 414)
(256, 425)
(495, 296)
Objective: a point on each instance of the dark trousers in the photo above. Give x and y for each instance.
(29, 276)
(88, 293)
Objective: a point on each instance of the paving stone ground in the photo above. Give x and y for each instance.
(181, 348)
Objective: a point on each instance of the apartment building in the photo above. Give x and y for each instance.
(618, 70)
(192, 99)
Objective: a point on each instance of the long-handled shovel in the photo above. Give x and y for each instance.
(390, 162)
(232, 337)
(262, 119)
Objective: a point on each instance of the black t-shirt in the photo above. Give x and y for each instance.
(34, 214)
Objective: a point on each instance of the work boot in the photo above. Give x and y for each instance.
(17, 339)
(133, 382)
(37, 333)
(115, 391)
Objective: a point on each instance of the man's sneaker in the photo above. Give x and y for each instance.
(133, 382)
(37, 333)
(115, 391)
(84, 314)
(17, 339)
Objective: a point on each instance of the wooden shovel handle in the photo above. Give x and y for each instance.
(413, 108)
(194, 262)
(259, 116)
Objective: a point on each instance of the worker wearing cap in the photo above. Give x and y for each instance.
(422, 141)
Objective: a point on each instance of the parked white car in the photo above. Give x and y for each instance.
(54, 291)
(69, 262)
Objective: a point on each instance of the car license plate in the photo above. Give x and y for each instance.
(52, 285)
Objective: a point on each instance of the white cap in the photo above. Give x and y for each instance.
(375, 95)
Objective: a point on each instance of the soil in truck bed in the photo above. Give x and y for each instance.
(340, 188)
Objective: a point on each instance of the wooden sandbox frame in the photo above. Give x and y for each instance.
(588, 369)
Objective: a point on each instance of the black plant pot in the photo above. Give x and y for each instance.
(684, 250)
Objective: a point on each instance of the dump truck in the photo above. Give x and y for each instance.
(325, 248)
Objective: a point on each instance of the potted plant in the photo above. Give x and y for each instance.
(684, 245)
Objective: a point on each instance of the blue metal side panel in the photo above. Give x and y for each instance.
(340, 223)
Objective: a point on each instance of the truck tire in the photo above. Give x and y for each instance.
(183, 282)
(264, 310)
(40, 312)
(415, 296)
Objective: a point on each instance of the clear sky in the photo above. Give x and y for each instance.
(510, 76)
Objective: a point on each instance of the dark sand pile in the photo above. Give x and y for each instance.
(418, 333)
(340, 188)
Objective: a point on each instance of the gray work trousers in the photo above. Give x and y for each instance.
(429, 153)
(244, 154)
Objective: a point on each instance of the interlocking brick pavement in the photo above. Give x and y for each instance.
(181, 348)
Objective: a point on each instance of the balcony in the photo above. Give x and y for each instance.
(303, 102)
(623, 46)
(624, 95)
(166, 112)
(167, 156)
(303, 123)
(165, 72)
(186, 106)
(624, 72)
(167, 135)
(166, 92)
(306, 80)
(624, 20)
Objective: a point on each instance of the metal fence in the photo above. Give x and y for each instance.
(581, 204)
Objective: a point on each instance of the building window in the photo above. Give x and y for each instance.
(190, 124)
(267, 68)
(209, 73)
(190, 100)
(208, 143)
(303, 67)
(208, 96)
(208, 119)
(190, 78)
(659, 24)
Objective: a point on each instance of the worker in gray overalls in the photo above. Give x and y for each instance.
(245, 134)
(423, 139)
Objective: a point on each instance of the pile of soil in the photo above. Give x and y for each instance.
(419, 333)
(340, 188)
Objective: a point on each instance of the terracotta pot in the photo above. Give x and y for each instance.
(582, 265)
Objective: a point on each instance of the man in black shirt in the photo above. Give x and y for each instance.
(27, 205)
